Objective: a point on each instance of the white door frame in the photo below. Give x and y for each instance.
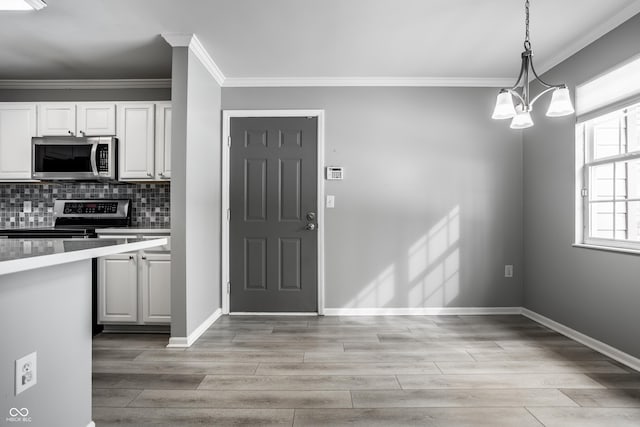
(227, 115)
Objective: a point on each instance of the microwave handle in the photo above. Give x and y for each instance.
(94, 163)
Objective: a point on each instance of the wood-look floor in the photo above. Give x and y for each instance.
(367, 371)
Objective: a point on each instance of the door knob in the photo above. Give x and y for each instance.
(311, 216)
(311, 226)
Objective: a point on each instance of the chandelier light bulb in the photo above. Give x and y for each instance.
(504, 106)
(560, 104)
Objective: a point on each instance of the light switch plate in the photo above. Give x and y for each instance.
(331, 201)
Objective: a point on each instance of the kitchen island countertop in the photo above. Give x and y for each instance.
(26, 254)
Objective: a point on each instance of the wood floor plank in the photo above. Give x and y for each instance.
(257, 346)
(419, 346)
(605, 398)
(183, 367)
(146, 381)
(115, 354)
(191, 417)
(299, 382)
(587, 417)
(233, 399)
(111, 397)
(221, 356)
(559, 354)
(620, 380)
(528, 367)
(346, 368)
(460, 397)
(387, 357)
(495, 381)
(426, 417)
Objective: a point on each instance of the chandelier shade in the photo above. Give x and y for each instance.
(560, 100)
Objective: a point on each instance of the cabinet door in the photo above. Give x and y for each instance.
(17, 126)
(56, 118)
(136, 141)
(118, 289)
(96, 118)
(156, 288)
(163, 140)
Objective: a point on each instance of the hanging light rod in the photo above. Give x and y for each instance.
(521, 114)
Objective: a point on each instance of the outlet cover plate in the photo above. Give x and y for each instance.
(26, 372)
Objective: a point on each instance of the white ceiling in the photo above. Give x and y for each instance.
(120, 39)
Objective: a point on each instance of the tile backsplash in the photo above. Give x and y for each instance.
(150, 202)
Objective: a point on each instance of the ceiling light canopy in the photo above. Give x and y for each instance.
(17, 5)
(521, 114)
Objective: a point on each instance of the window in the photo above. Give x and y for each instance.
(609, 178)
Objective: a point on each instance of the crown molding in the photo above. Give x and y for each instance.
(193, 43)
(87, 84)
(596, 32)
(368, 81)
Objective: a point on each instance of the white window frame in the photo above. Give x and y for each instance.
(584, 152)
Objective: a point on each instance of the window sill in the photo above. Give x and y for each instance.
(607, 248)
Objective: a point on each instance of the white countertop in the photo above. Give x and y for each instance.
(26, 254)
(132, 230)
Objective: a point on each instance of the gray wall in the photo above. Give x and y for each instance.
(195, 192)
(594, 292)
(48, 310)
(431, 207)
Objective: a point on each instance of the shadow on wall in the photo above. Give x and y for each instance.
(433, 268)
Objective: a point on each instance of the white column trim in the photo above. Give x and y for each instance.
(193, 43)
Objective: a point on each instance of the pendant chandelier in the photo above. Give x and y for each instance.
(521, 113)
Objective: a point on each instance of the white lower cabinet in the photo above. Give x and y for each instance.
(134, 288)
(118, 288)
(156, 288)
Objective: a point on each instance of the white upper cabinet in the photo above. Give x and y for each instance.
(96, 119)
(17, 126)
(76, 119)
(136, 140)
(163, 140)
(56, 118)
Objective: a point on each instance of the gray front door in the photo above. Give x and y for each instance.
(273, 201)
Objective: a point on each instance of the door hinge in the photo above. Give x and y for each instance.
(229, 141)
(584, 192)
(228, 215)
(228, 287)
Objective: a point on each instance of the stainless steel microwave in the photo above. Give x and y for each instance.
(88, 158)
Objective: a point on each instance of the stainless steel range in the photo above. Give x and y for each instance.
(78, 219)
(75, 219)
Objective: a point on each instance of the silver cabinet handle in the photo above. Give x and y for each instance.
(130, 257)
(70, 133)
(144, 257)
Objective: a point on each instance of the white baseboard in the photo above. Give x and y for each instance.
(420, 311)
(183, 342)
(270, 313)
(91, 424)
(599, 346)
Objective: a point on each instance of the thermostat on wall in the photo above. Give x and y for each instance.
(335, 173)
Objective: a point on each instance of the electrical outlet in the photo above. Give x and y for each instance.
(26, 372)
(508, 270)
(26, 206)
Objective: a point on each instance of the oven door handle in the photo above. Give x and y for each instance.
(94, 163)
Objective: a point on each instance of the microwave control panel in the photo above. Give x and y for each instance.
(102, 160)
